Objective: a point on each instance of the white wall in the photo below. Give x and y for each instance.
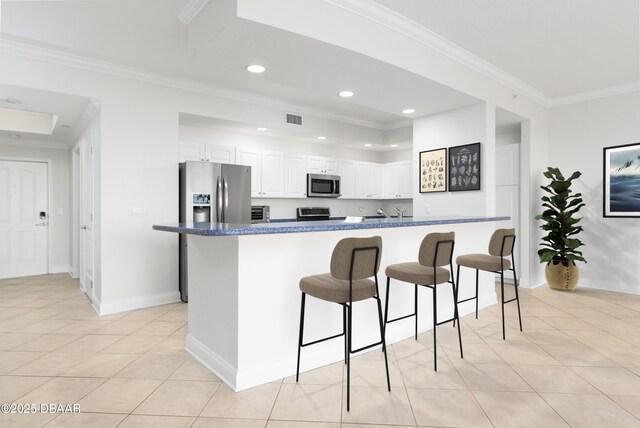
(505, 138)
(59, 224)
(454, 128)
(578, 133)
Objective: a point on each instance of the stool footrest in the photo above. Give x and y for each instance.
(322, 340)
(401, 318)
(466, 300)
(445, 321)
(353, 351)
(509, 301)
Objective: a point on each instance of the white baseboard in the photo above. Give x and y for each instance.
(122, 305)
(59, 269)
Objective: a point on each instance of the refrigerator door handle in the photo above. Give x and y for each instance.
(219, 214)
(226, 197)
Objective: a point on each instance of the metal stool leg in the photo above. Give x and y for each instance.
(435, 325)
(456, 299)
(476, 293)
(300, 335)
(349, 359)
(415, 306)
(344, 330)
(454, 289)
(515, 282)
(386, 306)
(502, 300)
(384, 343)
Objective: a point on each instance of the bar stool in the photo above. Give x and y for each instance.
(353, 262)
(501, 245)
(436, 250)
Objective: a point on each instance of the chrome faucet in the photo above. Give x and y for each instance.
(400, 212)
(381, 212)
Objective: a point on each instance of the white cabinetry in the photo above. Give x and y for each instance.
(295, 183)
(368, 180)
(397, 180)
(189, 151)
(267, 172)
(348, 179)
(321, 165)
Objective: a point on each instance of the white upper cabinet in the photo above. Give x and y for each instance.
(368, 180)
(267, 172)
(272, 174)
(397, 178)
(295, 183)
(252, 158)
(348, 179)
(322, 165)
(204, 152)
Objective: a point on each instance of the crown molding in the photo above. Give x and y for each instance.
(92, 108)
(600, 93)
(99, 66)
(34, 143)
(189, 9)
(401, 24)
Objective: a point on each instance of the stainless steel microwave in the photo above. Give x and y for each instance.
(323, 186)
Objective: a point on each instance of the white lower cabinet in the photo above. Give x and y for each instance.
(397, 178)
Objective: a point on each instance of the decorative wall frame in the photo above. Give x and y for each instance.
(464, 167)
(621, 180)
(433, 171)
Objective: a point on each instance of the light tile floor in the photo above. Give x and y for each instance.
(577, 363)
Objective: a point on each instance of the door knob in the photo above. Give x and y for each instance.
(84, 228)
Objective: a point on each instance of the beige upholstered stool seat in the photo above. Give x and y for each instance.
(326, 287)
(485, 262)
(415, 273)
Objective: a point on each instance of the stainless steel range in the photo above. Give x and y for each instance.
(313, 214)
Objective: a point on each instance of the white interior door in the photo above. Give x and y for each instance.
(23, 219)
(86, 218)
(508, 191)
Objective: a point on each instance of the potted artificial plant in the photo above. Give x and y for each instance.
(560, 246)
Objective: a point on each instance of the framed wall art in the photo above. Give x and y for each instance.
(621, 178)
(464, 167)
(433, 171)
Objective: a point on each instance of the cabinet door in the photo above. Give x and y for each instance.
(253, 159)
(315, 165)
(272, 174)
(405, 178)
(375, 181)
(390, 181)
(508, 165)
(331, 166)
(348, 179)
(362, 188)
(192, 152)
(221, 154)
(295, 183)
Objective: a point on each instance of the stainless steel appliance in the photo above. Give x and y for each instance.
(211, 192)
(260, 214)
(323, 186)
(313, 214)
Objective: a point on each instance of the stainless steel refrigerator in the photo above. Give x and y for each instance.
(211, 192)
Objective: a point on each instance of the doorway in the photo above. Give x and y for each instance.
(24, 218)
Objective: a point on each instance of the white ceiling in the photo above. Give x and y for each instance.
(560, 47)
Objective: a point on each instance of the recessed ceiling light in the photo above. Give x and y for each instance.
(368, 145)
(11, 100)
(255, 68)
(393, 145)
(346, 94)
(322, 138)
(262, 129)
(408, 111)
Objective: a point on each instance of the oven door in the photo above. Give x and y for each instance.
(324, 186)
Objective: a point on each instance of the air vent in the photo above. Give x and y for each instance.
(294, 119)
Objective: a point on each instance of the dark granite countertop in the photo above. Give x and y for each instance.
(229, 229)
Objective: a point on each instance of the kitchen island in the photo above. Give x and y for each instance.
(244, 300)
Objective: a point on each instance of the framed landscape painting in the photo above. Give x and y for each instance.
(621, 195)
(433, 171)
(464, 167)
